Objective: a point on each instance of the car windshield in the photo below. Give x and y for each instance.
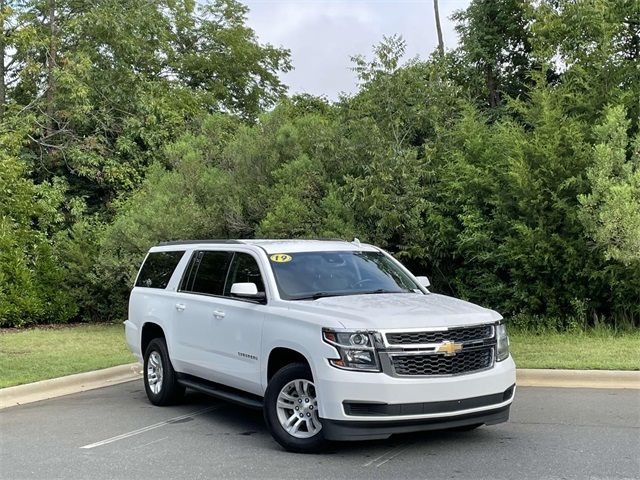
(313, 275)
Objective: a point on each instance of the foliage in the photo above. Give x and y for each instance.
(29, 271)
(496, 47)
(611, 212)
(595, 48)
(507, 169)
(105, 85)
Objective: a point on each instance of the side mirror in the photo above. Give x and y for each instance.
(424, 281)
(246, 290)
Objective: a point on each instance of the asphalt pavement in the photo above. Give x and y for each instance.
(114, 433)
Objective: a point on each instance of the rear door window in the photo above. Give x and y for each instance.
(157, 269)
(207, 273)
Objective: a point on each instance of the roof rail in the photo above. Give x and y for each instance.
(192, 242)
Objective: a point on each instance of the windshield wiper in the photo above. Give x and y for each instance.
(318, 295)
(381, 290)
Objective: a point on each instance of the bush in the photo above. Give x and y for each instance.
(30, 275)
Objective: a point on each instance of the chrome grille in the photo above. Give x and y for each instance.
(459, 335)
(436, 364)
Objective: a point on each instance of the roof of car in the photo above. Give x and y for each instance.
(277, 246)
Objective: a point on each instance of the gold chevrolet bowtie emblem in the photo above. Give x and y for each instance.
(449, 348)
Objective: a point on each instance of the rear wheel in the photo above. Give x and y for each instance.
(160, 380)
(291, 410)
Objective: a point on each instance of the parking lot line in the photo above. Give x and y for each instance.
(388, 455)
(391, 457)
(150, 443)
(147, 428)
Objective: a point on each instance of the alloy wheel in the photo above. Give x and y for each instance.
(154, 372)
(297, 409)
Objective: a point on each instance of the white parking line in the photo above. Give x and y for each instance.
(149, 443)
(398, 452)
(388, 455)
(147, 428)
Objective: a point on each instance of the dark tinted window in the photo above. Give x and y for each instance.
(207, 272)
(244, 269)
(157, 269)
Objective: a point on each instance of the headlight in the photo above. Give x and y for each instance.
(356, 350)
(502, 342)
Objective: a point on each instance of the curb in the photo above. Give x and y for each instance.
(80, 382)
(578, 378)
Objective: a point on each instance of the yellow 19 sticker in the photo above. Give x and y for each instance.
(280, 258)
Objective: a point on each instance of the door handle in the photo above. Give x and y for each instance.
(218, 314)
(180, 306)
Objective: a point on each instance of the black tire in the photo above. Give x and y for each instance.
(170, 391)
(282, 377)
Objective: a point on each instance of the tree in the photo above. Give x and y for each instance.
(12, 34)
(52, 58)
(107, 84)
(392, 95)
(436, 11)
(495, 42)
(594, 48)
(611, 211)
(30, 275)
(480, 166)
(3, 55)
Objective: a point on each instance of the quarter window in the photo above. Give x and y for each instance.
(157, 269)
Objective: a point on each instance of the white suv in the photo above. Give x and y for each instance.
(334, 340)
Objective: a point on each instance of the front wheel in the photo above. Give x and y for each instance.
(291, 410)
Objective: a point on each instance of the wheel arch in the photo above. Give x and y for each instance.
(150, 330)
(282, 356)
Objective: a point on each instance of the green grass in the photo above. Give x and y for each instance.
(591, 350)
(41, 353)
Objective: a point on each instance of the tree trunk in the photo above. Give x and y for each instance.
(492, 86)
(51, 63)
(438, 27)
(3, 88)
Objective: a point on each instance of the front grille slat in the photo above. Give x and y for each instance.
(437, 364)
(477, 352)
(459, 335)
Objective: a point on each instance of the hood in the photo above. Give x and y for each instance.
(398, 310)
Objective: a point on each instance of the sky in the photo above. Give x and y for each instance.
(323, 35)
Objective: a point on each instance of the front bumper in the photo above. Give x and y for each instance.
(341, 430)
(404, 404)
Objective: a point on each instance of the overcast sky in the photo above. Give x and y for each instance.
(323, 34)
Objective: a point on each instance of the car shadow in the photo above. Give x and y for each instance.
(232, 419)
